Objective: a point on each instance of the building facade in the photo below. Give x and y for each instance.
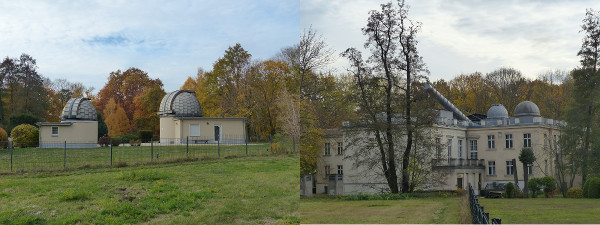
(181, 121)
(467, 151)
(78, 127)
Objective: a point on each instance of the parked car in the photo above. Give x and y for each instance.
(493, 190)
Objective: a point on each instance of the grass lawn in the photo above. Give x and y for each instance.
(414, 210)
(248, 190)
(37, 159)
(543, 210)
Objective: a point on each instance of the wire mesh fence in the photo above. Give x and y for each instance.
(63, 155)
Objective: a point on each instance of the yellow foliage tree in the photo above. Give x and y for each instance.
(116, 119)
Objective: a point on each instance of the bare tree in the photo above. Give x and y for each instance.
(385, 82)
(508, 85)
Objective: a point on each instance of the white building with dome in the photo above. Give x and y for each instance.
(477, 150)
(78, 127)
(181, 121)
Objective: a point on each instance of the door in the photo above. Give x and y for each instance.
(459, 183)
(217, 132)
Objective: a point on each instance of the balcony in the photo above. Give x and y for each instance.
(459, 163)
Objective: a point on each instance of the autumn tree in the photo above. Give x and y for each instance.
(508, 87)
(23, 89)
(386, 83)
(123, 88)
(146, 106)
(116, 119)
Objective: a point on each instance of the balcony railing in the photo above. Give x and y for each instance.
(463, 163)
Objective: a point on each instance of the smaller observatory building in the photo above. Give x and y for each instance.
(181, 121)
(78, 127)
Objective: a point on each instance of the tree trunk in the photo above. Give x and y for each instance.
(525, 179)
(514, 165)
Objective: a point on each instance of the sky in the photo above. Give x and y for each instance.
(84, 41)
(465, 36)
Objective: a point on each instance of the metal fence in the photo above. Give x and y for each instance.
(477, 213)
(52, 156)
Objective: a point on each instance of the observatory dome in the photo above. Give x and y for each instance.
(79, 109)
(182, 103)
(527, 108)
(497, 111)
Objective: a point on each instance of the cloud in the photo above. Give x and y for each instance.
(108, 40)
(469, 35)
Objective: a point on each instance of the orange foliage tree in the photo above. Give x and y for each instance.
(116, 119)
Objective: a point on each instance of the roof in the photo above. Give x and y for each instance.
(181, 103)
(497, 111)
(527, 108)
(79, 109)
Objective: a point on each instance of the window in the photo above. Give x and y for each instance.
(449, 148)
(491, 144)
(529, 170)
(526, 140)
(509, 141)
(438, 147)
(509, 168)
(474, 149)
(327, 149)
(492, 168)
(340, 148)
(54, 131)
(459, 149)
(326, 170)
(194, 130)
(340, 170)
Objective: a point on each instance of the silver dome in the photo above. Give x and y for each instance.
(79, 109)
(527, 108)
(182, 103)
(497, 111)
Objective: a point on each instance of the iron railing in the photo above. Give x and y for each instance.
(479, 216)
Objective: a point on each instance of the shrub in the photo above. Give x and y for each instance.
(116, 141)
(135, 142)
(549, 185)
(575, 192)
(459, 192)
(509, 189)
(74, 195)
(534, 186)
(146, 135)
(3, 138)
(104, 141)
(591, 188)
(25, 135)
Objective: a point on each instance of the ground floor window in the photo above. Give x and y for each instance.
(492, 168)
(509, 168)
(340, 169)
(55, 131)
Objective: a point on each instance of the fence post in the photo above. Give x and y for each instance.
(151, 149)
(12, 147)
(187, 146)
(219, 146)
(65, 157)
(111, 154)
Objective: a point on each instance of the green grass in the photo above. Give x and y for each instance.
(413, 210)
(249, 190)
(36, 159)
(543, 210)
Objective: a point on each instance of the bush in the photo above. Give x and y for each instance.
(104, 141)
(146, 135)
(135, 142)
(509, 190)
(19, 119)
(3, 138)
(116, 141)
(591, 188)
(534, 186)
(575, 193)
(549, 185)
(459, 192)
(25, 135)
